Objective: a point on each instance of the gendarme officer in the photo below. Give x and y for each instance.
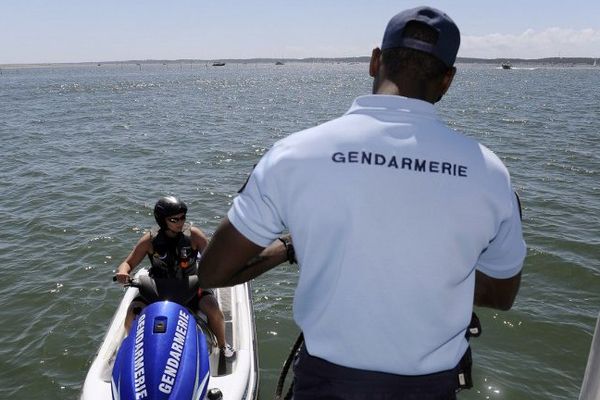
(400, 224)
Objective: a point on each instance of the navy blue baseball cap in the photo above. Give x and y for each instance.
(448, 40)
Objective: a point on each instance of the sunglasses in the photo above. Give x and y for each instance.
(176, 219)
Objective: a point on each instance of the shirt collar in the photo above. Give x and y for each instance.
(391, 103)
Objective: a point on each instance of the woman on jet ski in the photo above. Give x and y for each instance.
(174, 248)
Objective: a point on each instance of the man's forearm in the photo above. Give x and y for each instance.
(231, 259)
(257, 266)
(495, 293)
(269, 258)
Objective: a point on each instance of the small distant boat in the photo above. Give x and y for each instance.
(279, 63)
(506, 65)
(218, 64)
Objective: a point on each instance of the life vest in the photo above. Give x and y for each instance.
(172, 257)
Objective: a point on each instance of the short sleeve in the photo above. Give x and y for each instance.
(503, 258)
(255, 211)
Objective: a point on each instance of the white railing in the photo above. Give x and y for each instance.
(590, 388)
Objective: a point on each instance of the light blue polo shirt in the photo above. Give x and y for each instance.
(390, 212)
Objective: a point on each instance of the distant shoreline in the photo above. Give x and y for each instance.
(565, 61)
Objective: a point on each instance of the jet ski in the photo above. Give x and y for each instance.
(171, 353)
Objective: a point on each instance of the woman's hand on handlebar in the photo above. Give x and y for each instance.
(122, 277)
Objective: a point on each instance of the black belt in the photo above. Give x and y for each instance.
(325, 369)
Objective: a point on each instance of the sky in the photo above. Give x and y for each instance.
(54, 31)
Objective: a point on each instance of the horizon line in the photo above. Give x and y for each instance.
(582, 59)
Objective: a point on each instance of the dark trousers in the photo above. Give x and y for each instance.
(317, 379)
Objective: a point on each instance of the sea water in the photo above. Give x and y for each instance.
(87, 150)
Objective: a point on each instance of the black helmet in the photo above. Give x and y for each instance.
(167, 206)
